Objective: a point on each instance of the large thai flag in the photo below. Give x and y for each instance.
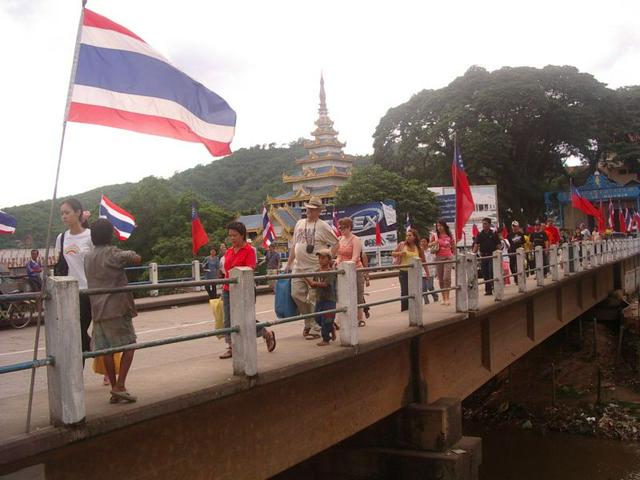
(7, 223)
(268, 232)
(464, 197)
(122, 82)
(123, 222)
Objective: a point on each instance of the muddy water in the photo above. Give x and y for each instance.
(513, 454)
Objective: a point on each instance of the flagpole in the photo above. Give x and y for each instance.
(45, 274)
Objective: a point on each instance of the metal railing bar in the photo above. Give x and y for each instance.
(17, 367)
(486, 257)
(175, 265)
(172, 280)
(382, 302)
(157, 343)
(438, 262)
(295, 318)
(440, 290)
(379, 269)
(320, 273)
(157, 286)
(19, 297)
(482, 282)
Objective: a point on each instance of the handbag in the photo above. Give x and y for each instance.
(284, 304)
(218, 313)
(98, 364)
(434, 246)
(61, 268)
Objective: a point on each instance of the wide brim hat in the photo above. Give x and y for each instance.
(314, 202)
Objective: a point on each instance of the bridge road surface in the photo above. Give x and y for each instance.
(164, 372)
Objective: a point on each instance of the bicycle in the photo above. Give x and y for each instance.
(18, 314)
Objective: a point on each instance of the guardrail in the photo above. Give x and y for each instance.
(64, 357)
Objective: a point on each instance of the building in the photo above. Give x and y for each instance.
(322, 171)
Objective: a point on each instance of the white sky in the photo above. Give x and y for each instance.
(265, 59)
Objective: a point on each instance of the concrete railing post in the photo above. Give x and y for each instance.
(609, 251)
(195, 274)
(522, 275)
(347, 290)
(498, 276)
(243, 315)
(471, 267)
(566, 254)
(153, 278)
(595, 260)
(588, 260)
(462, 298)
(415, 291)
(539, 256)
(576, 253)
(553, 263)
(64, 343)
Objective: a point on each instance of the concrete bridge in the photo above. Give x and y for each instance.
(266, 412)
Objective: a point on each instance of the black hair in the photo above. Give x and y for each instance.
(76, 206)
(101, 232)
(444, 224)
(35, 250)
(238, 227)
(487, 219)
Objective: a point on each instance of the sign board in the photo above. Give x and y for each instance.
(364, 219)
(485, 198)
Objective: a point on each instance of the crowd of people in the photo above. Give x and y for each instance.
(87, 254)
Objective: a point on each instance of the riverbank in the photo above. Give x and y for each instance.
(575, 382)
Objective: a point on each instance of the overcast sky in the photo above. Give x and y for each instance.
(265, 59)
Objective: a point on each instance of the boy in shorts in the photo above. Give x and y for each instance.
(111, 312)
(325, 291)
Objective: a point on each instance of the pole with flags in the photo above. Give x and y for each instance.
(268, 232)
(378, 242)
(199, 237)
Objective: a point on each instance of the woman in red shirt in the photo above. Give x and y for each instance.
(442, 245)
(240, 254)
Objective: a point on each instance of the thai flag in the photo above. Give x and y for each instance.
(628, 219)
(123, 222)
(268, 232)
(611, 216)
(7, 223)
(122, 82)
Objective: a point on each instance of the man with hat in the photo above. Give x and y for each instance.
(309, 236)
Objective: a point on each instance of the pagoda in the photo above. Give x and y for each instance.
(323, 170)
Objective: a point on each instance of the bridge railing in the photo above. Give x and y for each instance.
(64, 356)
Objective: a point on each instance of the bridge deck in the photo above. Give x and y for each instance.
(174, 377)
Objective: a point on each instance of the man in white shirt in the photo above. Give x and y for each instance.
(309, 235)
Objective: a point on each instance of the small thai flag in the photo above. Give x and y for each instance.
(336, 226)
(123, 222)
(268, 232)
(407, 223)
(7, 223)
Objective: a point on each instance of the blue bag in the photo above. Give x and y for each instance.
(284, 304)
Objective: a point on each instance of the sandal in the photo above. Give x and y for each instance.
(270, 340)
(305, 331)
(227, 354)
(126, 396)
(114, 399)
(312, 336)
(362, 323)
(322, 344)
(333, 334)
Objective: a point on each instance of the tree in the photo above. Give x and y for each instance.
(624, 149)
(374, 184)
(516, 128)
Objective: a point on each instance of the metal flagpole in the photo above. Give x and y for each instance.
(45, 274)
(455, 191)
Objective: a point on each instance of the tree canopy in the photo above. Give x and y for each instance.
(516, 128)
(375, 184)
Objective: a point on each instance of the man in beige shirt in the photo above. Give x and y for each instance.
(309, 236)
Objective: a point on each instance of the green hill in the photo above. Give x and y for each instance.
(239, 183)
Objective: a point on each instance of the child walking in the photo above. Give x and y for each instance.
(325, 297)
(111, 312)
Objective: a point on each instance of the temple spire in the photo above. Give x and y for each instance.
(323, 97)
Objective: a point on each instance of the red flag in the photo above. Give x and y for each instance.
(464, 198)
(336, 226)
(602, 225)
(378, 235)
(622, 220)
(504, 232)
(584, 205)
(474, 231)
(198, 235)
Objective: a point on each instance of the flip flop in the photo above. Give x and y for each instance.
(126, 396)
(114, 399)
(271, 342)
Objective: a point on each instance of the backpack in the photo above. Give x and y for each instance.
(61, 268)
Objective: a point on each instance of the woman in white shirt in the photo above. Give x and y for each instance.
(73, 245)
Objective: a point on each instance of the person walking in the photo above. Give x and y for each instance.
(309, 236)
(349, 248)
(516, 240)
(443, 245)
(272, 259)
(404, 252)
(240, 254)
(74, 244)
(553, 234)
(34, 271)
(428, 274)
(211, 272)
(539, 239)
(487, 242)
